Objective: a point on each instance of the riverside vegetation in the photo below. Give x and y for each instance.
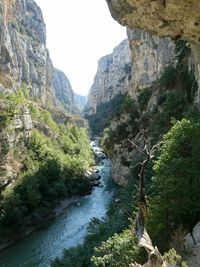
(50, 161)
(172, 179)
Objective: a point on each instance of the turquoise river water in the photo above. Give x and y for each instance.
(65, 231)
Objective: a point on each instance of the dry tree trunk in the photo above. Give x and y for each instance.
(154, 257)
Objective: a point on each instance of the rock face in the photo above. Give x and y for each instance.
(24, 57)
(130, 69)
(112, 78)
(80, 101)
(18, 131)
(150, 54)
(64, 95)
(134, 65)
(23, 53)
(193, 249)
(176, 19)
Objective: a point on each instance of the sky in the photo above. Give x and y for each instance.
(79, 33)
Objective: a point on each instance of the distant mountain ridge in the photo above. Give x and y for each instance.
(80, 101)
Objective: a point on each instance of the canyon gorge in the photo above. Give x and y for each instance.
(143, 108)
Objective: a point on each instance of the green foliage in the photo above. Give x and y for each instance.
(192, 113)
(13, 103)
(120, 128)
(173, 258)
(99, 231)
(106, 112)
(168, 77)
(180, 76)
(184, 70)
(176, 183)
(53, 169)
(118, 251)
(175, 104)
(20, 96)
(34, 111)
(46, 118)
(144, 97)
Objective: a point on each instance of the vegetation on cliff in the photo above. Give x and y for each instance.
(171, 179)
(51, 158)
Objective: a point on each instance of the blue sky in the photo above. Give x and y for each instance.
(79, 32)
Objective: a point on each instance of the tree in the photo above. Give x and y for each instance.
(177, 179)
(118, 251)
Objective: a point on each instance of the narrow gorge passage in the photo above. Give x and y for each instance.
(66, 231)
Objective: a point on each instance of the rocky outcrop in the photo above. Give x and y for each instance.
(132, 67)
(112, 78)
(150, 55)
(176, 19)
(63, 93)
(16, 132)
(25, 63)
(24, 57)
(145, 58)
(193, 249)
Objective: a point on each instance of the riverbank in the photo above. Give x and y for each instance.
(67, 230)
(41, 222)
(63, 205)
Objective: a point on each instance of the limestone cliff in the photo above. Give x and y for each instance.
(28, 82)
(150, 55)
(23, 53)
(175, 19)
(130, 68)
(145, 58)
(112, 78)
(63, 93)
(80, 101)
(178, 20)
(24, 57)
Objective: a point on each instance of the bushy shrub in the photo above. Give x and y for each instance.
(144, 97)
(176, 183)
(118, 251)
(52, 168)
(173, 258)
(168, 77)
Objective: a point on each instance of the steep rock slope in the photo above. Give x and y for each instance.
(175, 19)
(63, 93)
(38, 141)
(80, 101)
(27, 79)
(24, 56)
(150, 55)
(178, 20)
(141, 67)
(112, 78)
(166, 17)
(130, 69)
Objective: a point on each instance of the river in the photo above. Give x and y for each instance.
(66, 230)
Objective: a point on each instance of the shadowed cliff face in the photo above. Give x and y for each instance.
(135, 64)
(112, 78)
(64, 95)
(164, 17)
(24, 56)
(175, 19)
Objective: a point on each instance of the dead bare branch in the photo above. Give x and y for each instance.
(154, 256)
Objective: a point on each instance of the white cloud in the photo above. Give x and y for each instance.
(78, 34)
